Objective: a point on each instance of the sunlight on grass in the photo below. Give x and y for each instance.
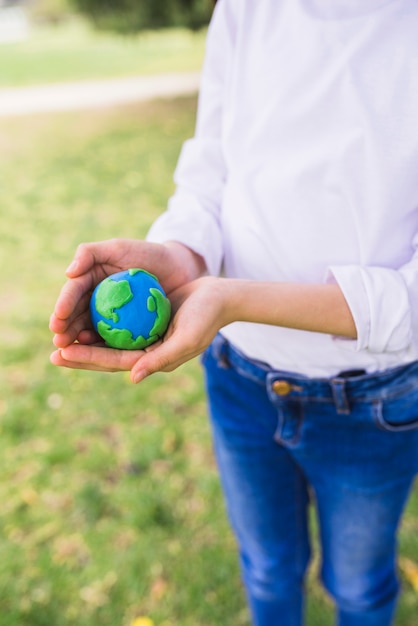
(74, 51)
(111, 506)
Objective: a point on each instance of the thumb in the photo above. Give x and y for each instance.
(162, 357)
(148, 364)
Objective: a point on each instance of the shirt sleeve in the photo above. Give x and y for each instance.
(383, 302)
(193, 213)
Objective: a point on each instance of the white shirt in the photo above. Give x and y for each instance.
(304, 167)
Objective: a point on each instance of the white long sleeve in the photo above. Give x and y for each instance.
(193, 215)
(304, 167)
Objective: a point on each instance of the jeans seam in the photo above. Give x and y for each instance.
(302, 520)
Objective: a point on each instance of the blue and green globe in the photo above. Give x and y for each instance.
(130, 309)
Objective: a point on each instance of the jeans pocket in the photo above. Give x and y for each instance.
(397, 414)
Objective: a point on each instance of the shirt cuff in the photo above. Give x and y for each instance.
(379, 303)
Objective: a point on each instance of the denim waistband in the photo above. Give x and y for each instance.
(362, 387)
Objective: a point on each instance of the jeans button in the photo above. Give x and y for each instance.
(281, 387)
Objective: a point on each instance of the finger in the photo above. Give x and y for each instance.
(103, 257)
(89, 337)
(57, 359)
(100, 358)
(70, 329)
(85, 337)
(166, 357)
(72, 332)
(73, 296)
(84, 259)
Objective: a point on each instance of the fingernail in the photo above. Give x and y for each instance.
(72, 267)
(138, 376)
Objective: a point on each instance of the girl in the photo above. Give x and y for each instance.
(289, 254)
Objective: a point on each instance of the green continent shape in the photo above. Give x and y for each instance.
(112, 295)
(162, 306)
(136, 270)
(122, 339)
(151, 306)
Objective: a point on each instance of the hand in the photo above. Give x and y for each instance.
(199, 311)
(200, 308)
(173, 263)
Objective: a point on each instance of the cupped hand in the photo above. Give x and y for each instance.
(173, 263)
(200, 311)
(200, 308)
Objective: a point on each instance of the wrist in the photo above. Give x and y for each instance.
(231, 295)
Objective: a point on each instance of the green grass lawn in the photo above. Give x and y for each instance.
(111, 507)
(75, 51)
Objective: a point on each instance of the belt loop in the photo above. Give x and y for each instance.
(220, 351)
(339, 395)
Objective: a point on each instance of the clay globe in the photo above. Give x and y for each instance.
(130, 309)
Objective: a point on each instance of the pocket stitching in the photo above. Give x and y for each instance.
(383, 424)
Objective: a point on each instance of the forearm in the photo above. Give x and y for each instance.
(202, 307)
(318, 307)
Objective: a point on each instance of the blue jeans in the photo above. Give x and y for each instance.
(349, 444)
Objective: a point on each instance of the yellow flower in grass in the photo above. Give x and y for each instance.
(410, 571)
(142, 621)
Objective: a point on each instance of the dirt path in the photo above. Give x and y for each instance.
(94, 94)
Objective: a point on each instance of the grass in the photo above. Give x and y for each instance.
(109, 491)
(73, 50)
(111, 506)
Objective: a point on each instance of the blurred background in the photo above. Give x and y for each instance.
(111, 507)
